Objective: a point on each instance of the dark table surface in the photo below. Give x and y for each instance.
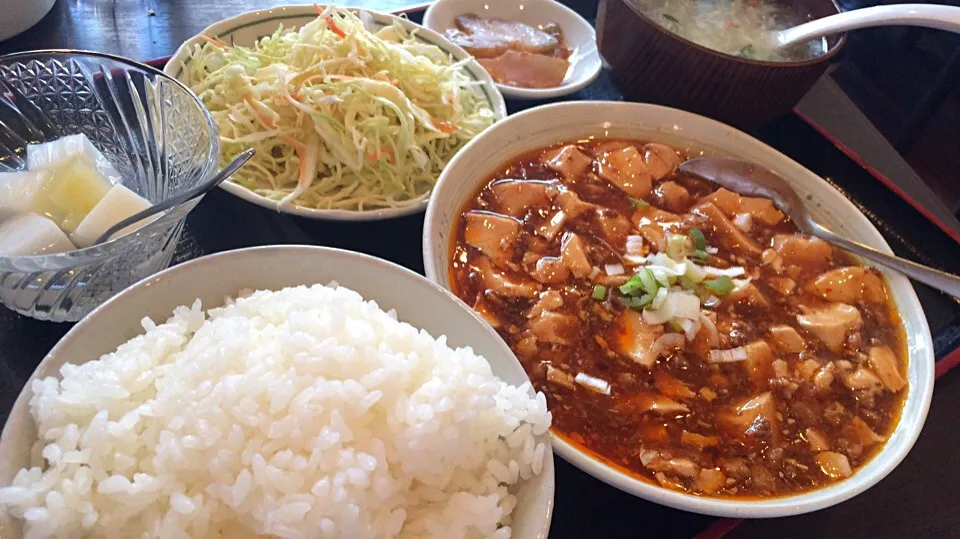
(918, 499)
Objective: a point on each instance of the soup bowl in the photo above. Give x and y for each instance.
(651, 64)
(550, 124)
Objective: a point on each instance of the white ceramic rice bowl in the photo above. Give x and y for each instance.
(550, 124)
(212, 278)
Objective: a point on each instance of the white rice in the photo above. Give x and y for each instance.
(306, 412)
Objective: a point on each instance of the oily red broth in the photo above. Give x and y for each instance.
(772, 365)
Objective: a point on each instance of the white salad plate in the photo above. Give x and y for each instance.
(578, 34)
(247, 28)
(562, 122)
(216, 277)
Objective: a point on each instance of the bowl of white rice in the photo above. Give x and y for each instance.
(285, 391)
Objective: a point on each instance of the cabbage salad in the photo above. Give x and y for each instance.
(343, 114)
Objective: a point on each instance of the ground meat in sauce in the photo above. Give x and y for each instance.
(811, 381)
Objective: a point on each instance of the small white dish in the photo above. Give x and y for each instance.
(550, 124)
(248, 27)
(579, 35)
(212, 278)
(20, 15)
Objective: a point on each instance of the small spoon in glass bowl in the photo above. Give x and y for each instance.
(174, 201)
(754, 180)
(926, 15)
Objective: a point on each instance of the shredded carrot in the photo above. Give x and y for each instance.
(303, 163)
(267, 121)
(445, 127)
(330, 23)
(297, 145)
(384, 153)
(215, 42)
(301, 153)
(305, 81)
(297, 103)
(334, 28)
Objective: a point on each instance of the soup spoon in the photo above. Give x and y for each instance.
(754, 180)
(174, 201)
(926, 15)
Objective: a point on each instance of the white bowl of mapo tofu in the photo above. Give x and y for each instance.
(696, 350)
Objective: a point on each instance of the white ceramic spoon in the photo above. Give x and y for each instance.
(926, 15)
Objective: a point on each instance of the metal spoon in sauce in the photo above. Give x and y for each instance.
(754, 180)
(926, 15)
(174, 201)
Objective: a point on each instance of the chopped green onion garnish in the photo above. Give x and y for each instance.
(632, 286)
(676, 246)
(720, 286)
(599, 292)
(700, 256)
(649, 280)
(699, 240)
(687, 283)
(674, 325)
(638, 203)
(747, 51)
(636, 303)
(695, 273)
(662, 278)
(659, 299)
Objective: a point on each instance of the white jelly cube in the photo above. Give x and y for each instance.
(118, 204)
(19, 190)
(72, 146)
(73, 189)
(31, 234)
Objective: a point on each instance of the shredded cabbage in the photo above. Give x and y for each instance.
(343, 115)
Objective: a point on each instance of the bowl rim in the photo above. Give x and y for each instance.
(115, 246)
(825, 57)
(29, 17)
(262, 16)
(567, 88)
(182, 271)
(909, 307)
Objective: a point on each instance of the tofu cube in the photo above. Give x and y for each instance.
(19, 192)
(32, 234)
(118, 204)
(72, 146)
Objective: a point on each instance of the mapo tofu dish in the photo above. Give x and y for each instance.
(682, 332)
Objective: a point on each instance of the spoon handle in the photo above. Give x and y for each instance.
(174, 201)
(940, 280)
(927, 15)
